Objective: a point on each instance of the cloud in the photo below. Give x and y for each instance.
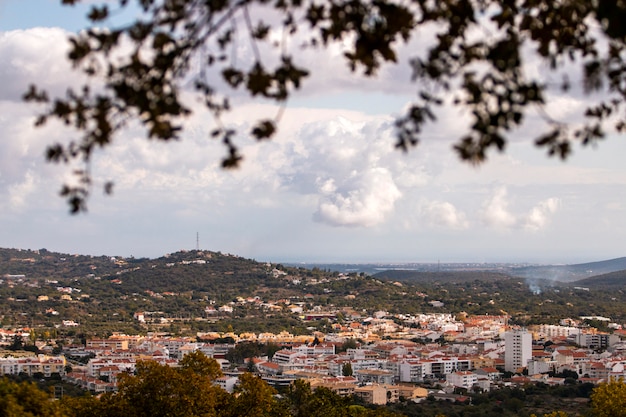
(19, 192)
(496, 212)
(326, 166)
(350, 167)
(363, 199)
(35, 56)
(538, 216)
(443, 214)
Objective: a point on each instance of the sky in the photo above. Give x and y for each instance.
(330, 187)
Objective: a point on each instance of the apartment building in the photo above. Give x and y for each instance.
(518, 349)
(45, 365)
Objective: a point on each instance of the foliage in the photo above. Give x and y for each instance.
(304, 402)
(347, 369)
(17, 343)
(199, 365)
(187, 391)
(474, 61)
(253, 397)
(159, 390)
(245, 350)
(609, 399)
(348, 344)
(107, 293)
(25, 400)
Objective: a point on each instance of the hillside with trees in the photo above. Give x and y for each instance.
(191, 291)
(570, 273)
(614, 280)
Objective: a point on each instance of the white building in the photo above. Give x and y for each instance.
(595, 340)
(46, 365)
(518, 349)
(551, 330)
(541, 366)
(227, 383)
(462, 379)
(411, 371)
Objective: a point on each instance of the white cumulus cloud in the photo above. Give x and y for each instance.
(539, 215)
(364, 199)
(350, 167)
(443, 214)
(35, 56)
(496, 212)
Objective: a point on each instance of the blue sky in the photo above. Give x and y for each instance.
(329, 188)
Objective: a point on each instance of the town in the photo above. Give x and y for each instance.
(378, 358)
(68, 319)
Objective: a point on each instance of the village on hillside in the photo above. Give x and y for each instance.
(374, 358)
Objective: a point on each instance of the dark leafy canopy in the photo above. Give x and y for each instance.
(483, 73)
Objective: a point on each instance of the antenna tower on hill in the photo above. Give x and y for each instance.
(197, 241)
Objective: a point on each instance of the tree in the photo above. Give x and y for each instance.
(304, 402)
(201, 365)
(609, 399)
(17, 343)
(346, 370)
(250, 366)
(161, 390)
(253, 397)
(475, 61)
(26, 400)
(348, 344)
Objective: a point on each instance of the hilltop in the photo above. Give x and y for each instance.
(442, 276)
(570, 273)
(614, 280)
(191, 291)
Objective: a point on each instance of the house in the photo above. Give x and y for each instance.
(226, 309)
(270, 368)
(227, 383)
(462, 379)
(139, 316)
(285, 356)
(411, 370)
(490, 373)
(343, 386)
(109, 344)
(372, 394)
(40, 364)
(377, 376)
(411, 392)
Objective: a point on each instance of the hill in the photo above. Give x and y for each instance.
(614, 280)
(43, 263)
(199, 291)
(441, 276)
(212, 274)
(569, 273)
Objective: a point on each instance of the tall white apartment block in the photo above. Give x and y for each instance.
(518, 349)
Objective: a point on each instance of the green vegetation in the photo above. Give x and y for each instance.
(182, 293)
(609, 400)
(188, 391)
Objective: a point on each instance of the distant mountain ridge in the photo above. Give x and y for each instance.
(449, 272)
(39, 263)
(615, 280)
(442, 276)
(570, 273)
